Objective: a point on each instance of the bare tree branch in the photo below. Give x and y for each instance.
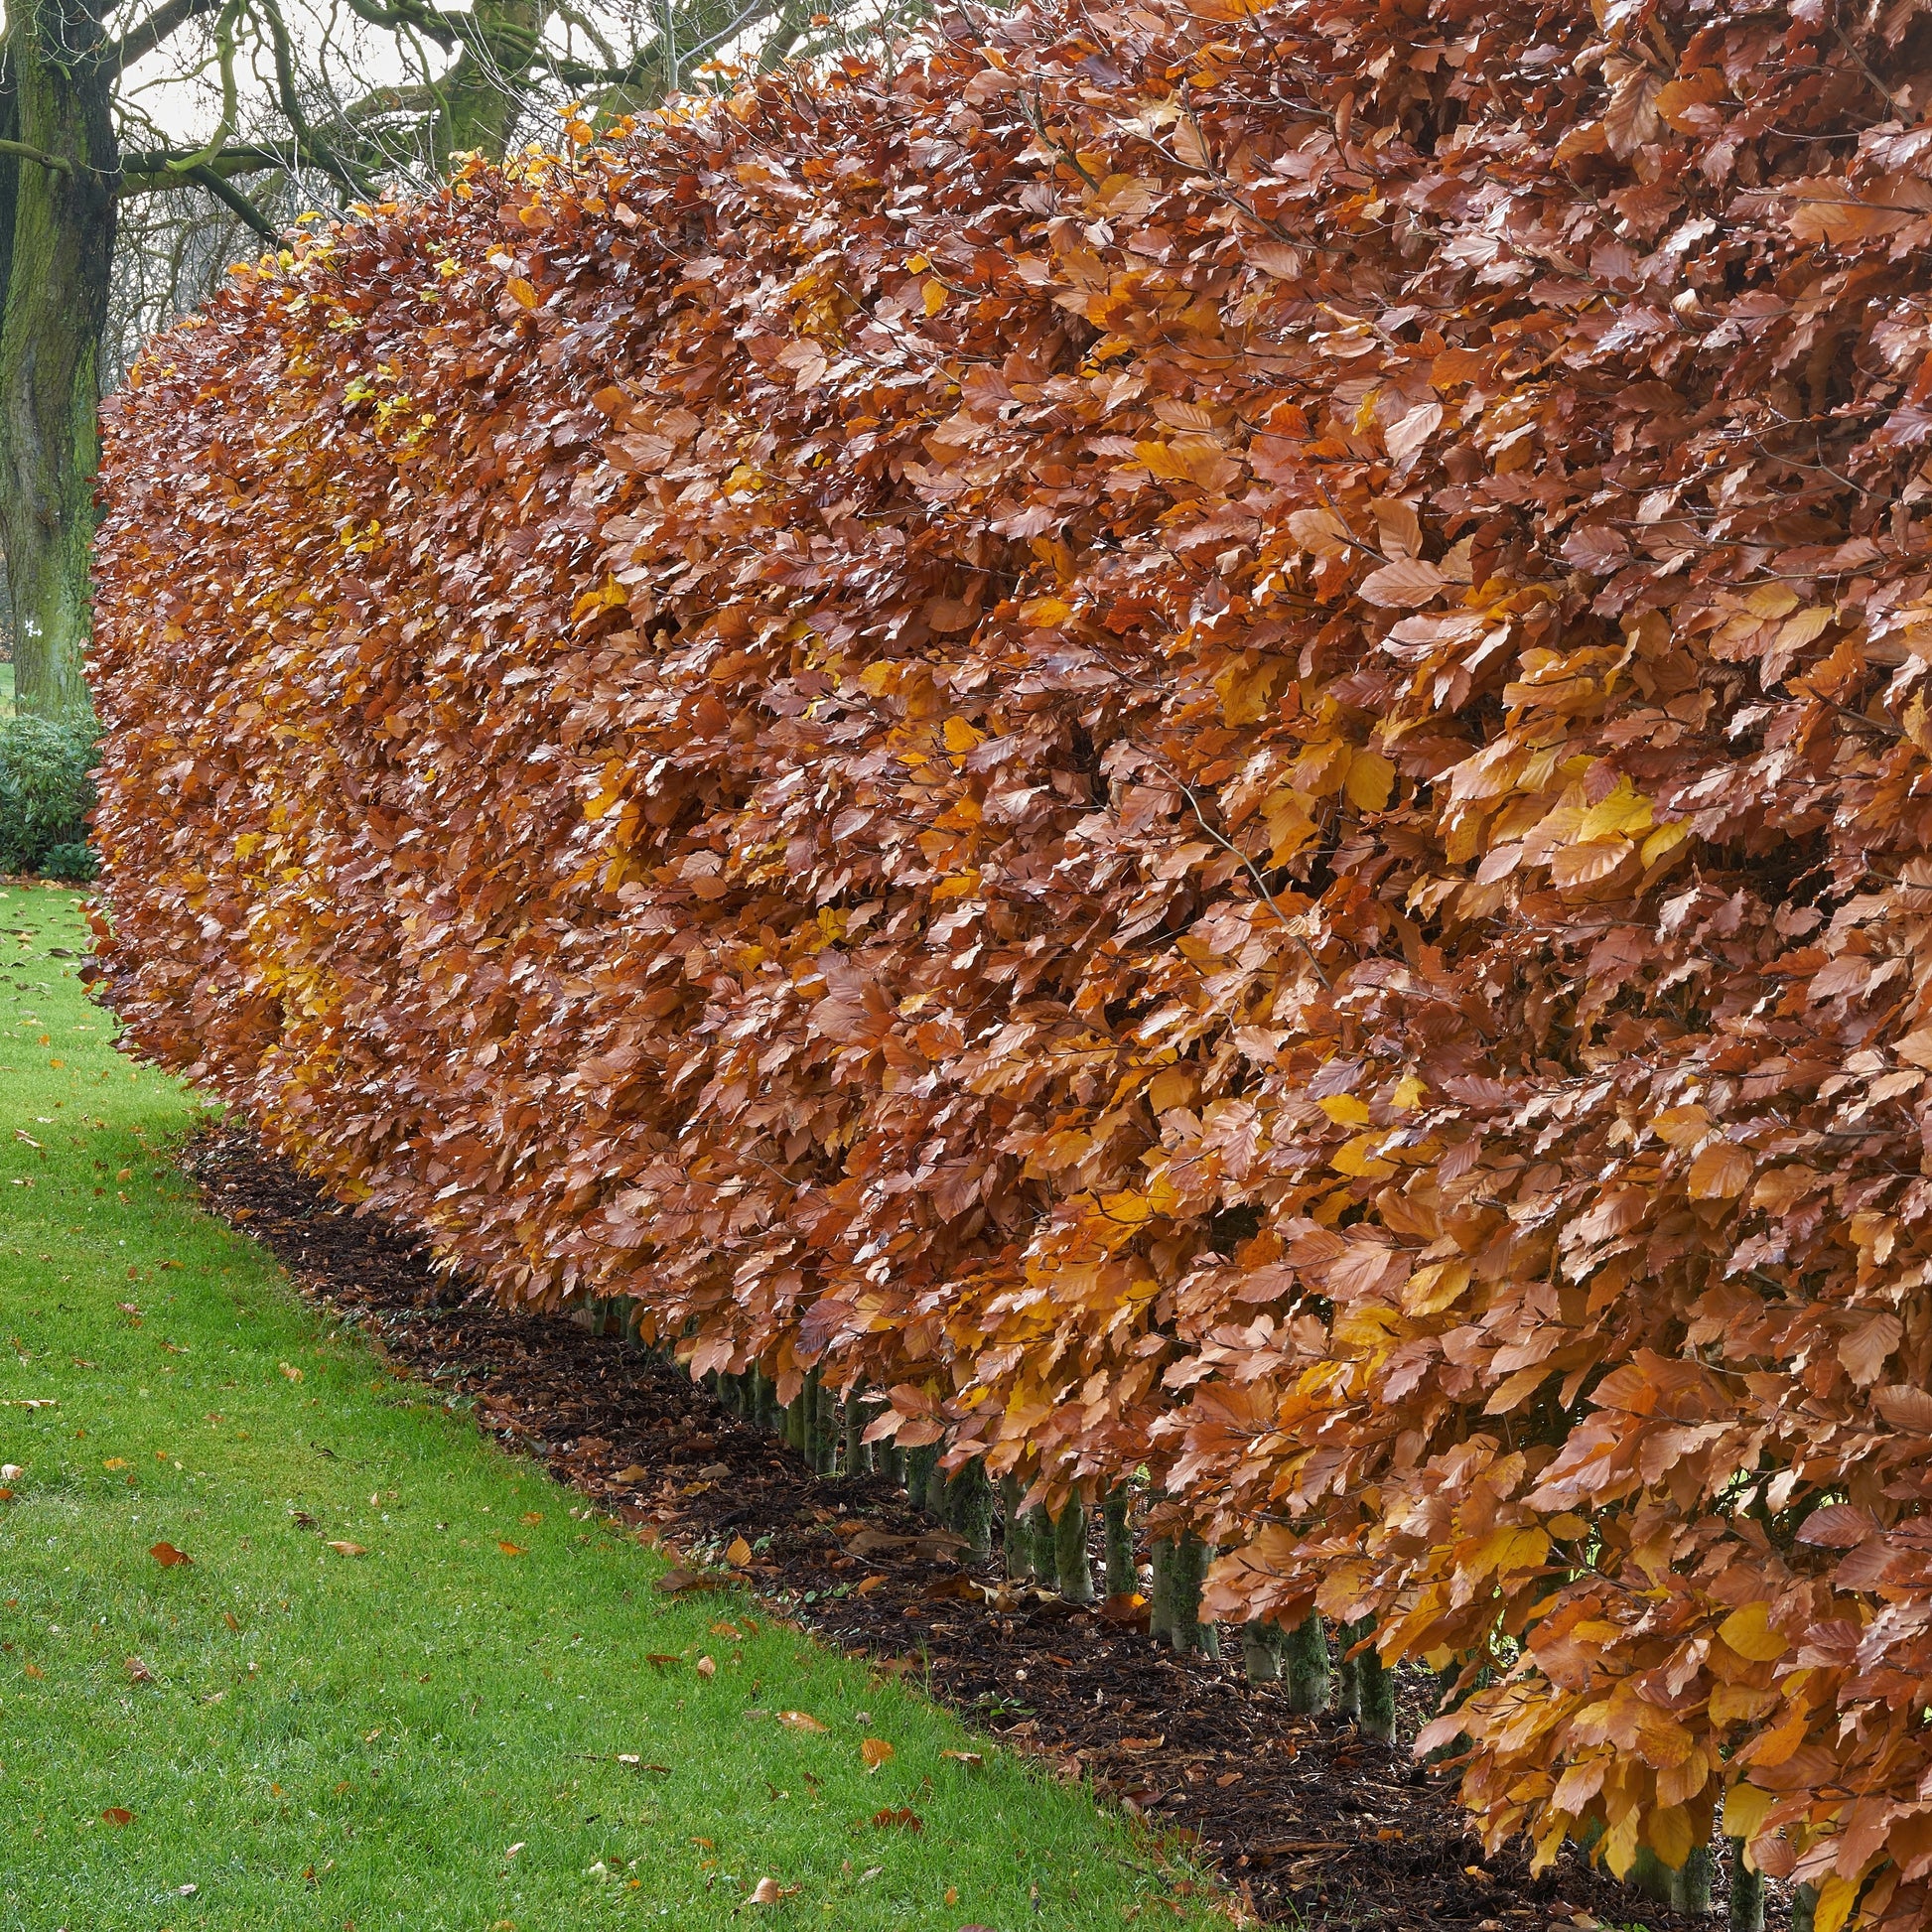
(166, 20)
(231, 199)
(59, 164)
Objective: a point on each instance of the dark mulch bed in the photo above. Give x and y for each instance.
(1305, 1819)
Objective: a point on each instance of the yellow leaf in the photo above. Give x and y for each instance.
(509, 1549)
(738, 1554)
(1749, 1632)
(1517, 1547)
(1836, 1898)
(1746, 1809)
(1409, 1092)
(1371, 778)
(1359, 1158)
(934, 298)
(1721, 1172)
(522, 291)
(1344, 1109)
(1127, 1209)
(800, 1720)
(606, 598)
(1669, 1833)
(1246, 690)
(1625, 810)
(960, 737)
(1771, 601)
(876, 1752)
(1666, 838)
(1046, 611)
(1433, 1288)
(349, 1549)
(1171, 1087)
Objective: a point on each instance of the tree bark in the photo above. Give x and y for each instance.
(481, 96)
(57, 247)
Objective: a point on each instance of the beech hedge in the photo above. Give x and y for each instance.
(1198, 733)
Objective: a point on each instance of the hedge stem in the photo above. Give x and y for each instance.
(918, 1472)
(1747, 1890)
(1376, 1690)
(1072, 1564)
(1261, 1650)
(969, 1506)
(1018, 1541)
(1116, 1514)
(1305, 1666)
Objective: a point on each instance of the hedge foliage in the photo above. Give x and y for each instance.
(1198, 733)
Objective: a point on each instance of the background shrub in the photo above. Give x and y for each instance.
(46, 794)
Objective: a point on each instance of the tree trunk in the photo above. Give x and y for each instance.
(481, 95)
(57, 246)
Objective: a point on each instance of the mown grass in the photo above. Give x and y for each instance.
(430, 1733)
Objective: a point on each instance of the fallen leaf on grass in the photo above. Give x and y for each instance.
(801, 1721)
(971, 1759)
(167, 1555)
(510, 1548)
(345, 1549)
(293, 1373)
(137, 1671)
(706, 1668)
(769, 1892)
(533, 1516)
(677, 1580)
(876, 1752)
(115, 1815)
(903, 1819)
(663, 1660)
(115, 1462)
(730, 1630)
(33, 1670)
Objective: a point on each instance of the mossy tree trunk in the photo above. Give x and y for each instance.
(56, 244)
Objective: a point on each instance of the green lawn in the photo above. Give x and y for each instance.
(432, 1732)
